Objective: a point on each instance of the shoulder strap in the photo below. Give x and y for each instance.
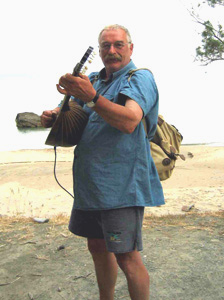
(96, 77)
(131, 72)
(145, 126)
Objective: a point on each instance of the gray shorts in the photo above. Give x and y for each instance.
(120, 228)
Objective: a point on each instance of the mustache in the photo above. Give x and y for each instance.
(113, 57)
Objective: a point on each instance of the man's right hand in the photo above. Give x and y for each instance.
(48, 117)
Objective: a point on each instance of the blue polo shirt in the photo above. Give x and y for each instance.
(113, 169)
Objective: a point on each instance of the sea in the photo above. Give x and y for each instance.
(196, 112)
(20, 139)
(14, 138)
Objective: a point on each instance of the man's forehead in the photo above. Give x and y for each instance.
(118, 34)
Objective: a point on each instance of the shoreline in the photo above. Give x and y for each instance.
(45, 147)
(28, 187)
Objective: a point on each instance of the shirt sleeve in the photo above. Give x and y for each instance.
(142, 89)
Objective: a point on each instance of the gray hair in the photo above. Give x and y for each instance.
(115, 27)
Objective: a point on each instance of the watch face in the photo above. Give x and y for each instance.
(90, 104)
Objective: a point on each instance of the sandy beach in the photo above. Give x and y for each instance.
(183, 251)
(28, 187)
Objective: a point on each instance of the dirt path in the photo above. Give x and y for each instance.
(184, 256)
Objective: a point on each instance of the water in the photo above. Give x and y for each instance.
(195, 108)
(34, 138)
(12, 138)
(19, 139)
(29, 99)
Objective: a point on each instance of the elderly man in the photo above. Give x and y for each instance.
(114, 174)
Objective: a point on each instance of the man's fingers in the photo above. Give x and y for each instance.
(61, 90)
(68, 77)
(48, 117)
(82, 76)
(47, 113)
(46, 121)
(54, 115)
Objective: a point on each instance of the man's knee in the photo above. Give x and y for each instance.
(129, 261)
(124, 260)
(96, 245)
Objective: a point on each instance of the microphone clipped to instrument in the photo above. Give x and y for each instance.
(72, 119)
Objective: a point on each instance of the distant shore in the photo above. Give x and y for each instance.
(28, 186)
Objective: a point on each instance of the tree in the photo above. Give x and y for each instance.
(212, 3)
(212, 44)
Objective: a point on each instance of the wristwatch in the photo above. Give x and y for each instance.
(93, 102)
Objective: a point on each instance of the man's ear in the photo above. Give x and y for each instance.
(131, 48)
(99, 53)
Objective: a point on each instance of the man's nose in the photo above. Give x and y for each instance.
(112, 49)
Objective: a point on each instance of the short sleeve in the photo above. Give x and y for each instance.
(142, 89)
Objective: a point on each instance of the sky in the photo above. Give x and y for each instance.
(43, 39)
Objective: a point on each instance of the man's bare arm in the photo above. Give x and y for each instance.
(125, 118)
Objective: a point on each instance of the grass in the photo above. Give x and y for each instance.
(149, 220)
(8, 223)
(189, 221)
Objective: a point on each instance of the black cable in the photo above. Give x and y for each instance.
(55, 158)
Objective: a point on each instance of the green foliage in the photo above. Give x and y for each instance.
(212, 48)
(212, 44)
(212, 3)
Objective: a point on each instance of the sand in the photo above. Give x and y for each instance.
(183, 251)
(28, 187)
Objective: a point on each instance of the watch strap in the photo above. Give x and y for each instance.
(95, 98)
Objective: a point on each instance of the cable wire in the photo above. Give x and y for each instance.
(55, 159)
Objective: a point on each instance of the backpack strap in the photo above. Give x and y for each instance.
(96, 77)
(145, 126)
(131, 72)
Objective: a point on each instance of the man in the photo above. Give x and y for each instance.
(114, 174)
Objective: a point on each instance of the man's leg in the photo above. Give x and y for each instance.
(105, 267)
(136, 274)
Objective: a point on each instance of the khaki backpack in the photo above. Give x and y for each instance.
(165, 145)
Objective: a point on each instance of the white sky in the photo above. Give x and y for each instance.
(44, 39)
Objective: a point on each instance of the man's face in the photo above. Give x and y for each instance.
(115, 51)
